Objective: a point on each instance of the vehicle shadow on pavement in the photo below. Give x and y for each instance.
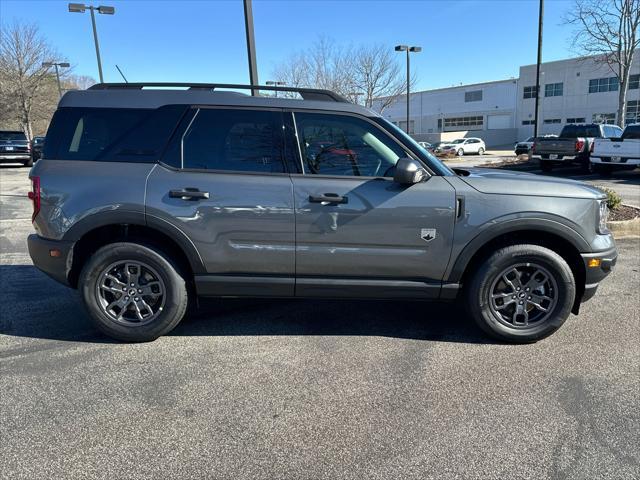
(34, 306)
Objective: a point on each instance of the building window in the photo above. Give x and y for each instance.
(633, 112)
(576, 120)
(456, 122)
(597, 85)
(548, 121)
(553, 89)
(440, 124)
(529, 92)
(528, 122)
(473, 96)
(634, 82)
(606, 118)
(403, 126)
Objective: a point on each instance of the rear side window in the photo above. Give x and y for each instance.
(632, 133)
(111, 134)
(234, 140)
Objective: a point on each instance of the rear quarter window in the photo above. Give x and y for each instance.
(111, 134)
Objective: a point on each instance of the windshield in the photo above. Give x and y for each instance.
(460, 140)
(436, 165)
(530, 139)
(4, 136)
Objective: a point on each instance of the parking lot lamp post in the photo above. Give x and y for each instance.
(539, 61)
(105, 10)
(56, 65)
(408, 49)
(275, 84)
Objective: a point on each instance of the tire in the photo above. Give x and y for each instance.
(585, 167)
(28, 163)
(559, 289)
(460, 152)
(546, 166)
(481, 151)
(156, 273)
(602, 170)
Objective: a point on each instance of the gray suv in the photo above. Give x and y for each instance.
(149, 197)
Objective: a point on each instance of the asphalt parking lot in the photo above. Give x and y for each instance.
(312, 389)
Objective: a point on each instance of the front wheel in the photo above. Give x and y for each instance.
(460, 152)
(133, 292)
(481, 151)
(521, 293)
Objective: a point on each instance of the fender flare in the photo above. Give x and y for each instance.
(545, 225)
(129, 217)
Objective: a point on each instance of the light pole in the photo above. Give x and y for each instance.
(251, 45)
(408, 49)
(539, 61)
(275, 84)
(56, 65)
(80, 8)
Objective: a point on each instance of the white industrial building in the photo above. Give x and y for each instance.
(502, 112)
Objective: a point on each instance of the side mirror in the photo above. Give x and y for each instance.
(409, 171)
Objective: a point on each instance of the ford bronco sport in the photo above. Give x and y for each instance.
(149, 197)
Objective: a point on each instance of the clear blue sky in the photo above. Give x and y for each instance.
(464, 41)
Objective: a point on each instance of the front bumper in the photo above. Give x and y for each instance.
(42, 253)
(595, 274)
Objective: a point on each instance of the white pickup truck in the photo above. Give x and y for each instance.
(617, 153)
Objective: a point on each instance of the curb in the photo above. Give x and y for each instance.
(625, 228)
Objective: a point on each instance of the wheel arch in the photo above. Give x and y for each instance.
(553, 235)
(98, 230)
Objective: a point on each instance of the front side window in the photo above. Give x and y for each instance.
(234, 140)
(345, 145)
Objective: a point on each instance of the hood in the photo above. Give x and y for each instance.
(503, 182)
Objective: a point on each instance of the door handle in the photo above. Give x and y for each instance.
(188, 194)
(329, 198)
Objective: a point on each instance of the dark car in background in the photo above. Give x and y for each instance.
(15, 148)
(36, 148)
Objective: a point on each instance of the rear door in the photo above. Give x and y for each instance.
(358, 233)
(225, 185)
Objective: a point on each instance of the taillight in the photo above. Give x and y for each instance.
(579, 144)
(591, 147)
(34, 196)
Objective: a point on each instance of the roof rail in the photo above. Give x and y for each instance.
(305, 93)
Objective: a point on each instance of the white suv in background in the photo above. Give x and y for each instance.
(462, 146)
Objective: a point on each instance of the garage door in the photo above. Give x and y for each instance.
(495, 122)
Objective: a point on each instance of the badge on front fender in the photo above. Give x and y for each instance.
(428, 234)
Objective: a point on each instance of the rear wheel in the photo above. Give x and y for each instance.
(521, 293)
(133, 292)
(28, 163)
(460, 152)
(546, 166)
(481, 151)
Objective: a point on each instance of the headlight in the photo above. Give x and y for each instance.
(603, 217)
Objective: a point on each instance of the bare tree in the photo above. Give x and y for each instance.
(26, 87)
(361, 73)
(608, 30)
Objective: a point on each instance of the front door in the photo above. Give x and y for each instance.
(230, 194)
(357, 231)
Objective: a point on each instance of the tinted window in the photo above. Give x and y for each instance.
(13, 136)
(235, 140)
(111, 134)
(345, 145)
(575, 131)
(632, 132)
